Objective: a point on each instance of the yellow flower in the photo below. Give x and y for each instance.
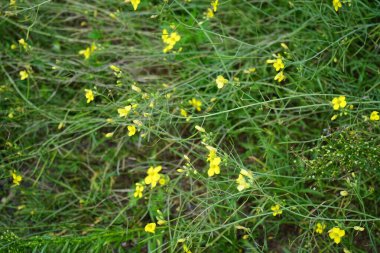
(214, 5)
(209, 13)
(153, 176)
(337, 4)
(242, 183)
(123, 112)
(88, 51)
(23, 44)
(135, 4)
(221, 81)
(339, 102)
(89, 94)
(169, 40)
(115, 68)
(374, 116)
(320, 227)
(241, 180)
(334, 117)
(23, 74)
(343, 193)
(278, 64)
(196, 104)
(183, 113)
(150, 228)
(138, 191)
(276, 210)
(16, 178)
(336, 234)
(131, 130)
(214, 160)
(280, 76)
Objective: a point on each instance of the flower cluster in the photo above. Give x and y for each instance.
(135, 4)
(89, 94)
(197, 104)
(221, 81)
(276, 210)
(278, 65)
(153, 176)
(88, 51)
(244, 180)
(16, 178)
(169, 39)
(214, 7)
(214, 161)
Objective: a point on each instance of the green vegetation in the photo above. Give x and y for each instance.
(114, 119)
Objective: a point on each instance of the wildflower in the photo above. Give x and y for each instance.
(242, 183)
(183, 112)
(123, 112)
(276, 210)
(196, 104)
(336, 234)
(278, 64)
(88, 51)
(280, 76)
(221, 81)
(209, 13)
(138, 191)
(153, 176)
(108, 135)
(23, 43)
(150, 228)
(334, 117)
(343, 193)
(357, 228)
(214, 5)
(241, 180)
(339, 102)
(14, 46)
(23, 74)
(16, 178)
(374, 116)
(131, 130)
(337, 4)
(135, 4)
(214, 160)
(320, 227)
(89, 94)
(169, 40)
